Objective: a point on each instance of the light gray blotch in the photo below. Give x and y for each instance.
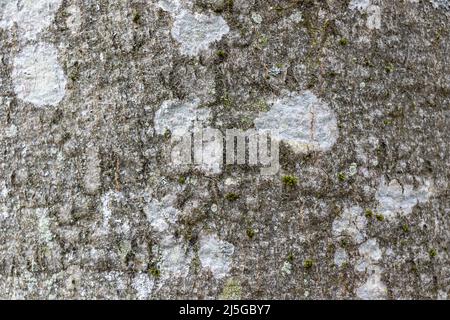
(441, 4)
(396, 198)
(350, 223)
(373, 288)
(37, 76)
(161, 214)
(195, 31)
(92, 174)
(175, 257)
(216, 255)
(340, 257)
(302, 121)
(31, 16)
(179, 116)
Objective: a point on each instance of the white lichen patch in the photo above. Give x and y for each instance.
(372, 11)
(370, 256)
(366, 150)
(178, 117)
(73, 20)
(73, 276)
(37, 76)
(215, 255)
(43, 224)
(340, 257)
(3, 190)
(175, 258)
(286, 268)
(143, 285)
(212, 151)
(442, 295)
(441, 4)
(302, 121)
(373, 288)
(171, 6)
(11, 131)
(394, 197)
(92, 182)
(161, 214)
(256, 17)
(352, 170)
(296, 17)
(173, 255)
(370, 250)
(31, 16)
(360, 4)
(106, 208)
(350, 223)
(4, 215)
(373, 17)
(195, 31)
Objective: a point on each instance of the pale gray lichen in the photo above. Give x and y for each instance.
(301, 120)
(395, 198)
(274, 71)
(441, 4)
(161, 214)
(105, 209)
(286, 268)
(195, 31)
(359, 4)
(172, 6)
(92, 177)
(143, 285)
(43, 221)
(37, 76)
(373, 288)
(178, 116)
(215, 255)
(373, 12)
(370, 256)
(296, 17)
(175, 258)
(350, 223)
(256, 17)
(340, 257)
(31, 16)
(73, 20)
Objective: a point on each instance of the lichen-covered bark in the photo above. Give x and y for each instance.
(93, 94)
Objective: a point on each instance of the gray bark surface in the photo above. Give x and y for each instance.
(91, 207)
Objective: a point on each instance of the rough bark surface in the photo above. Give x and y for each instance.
(92, 91)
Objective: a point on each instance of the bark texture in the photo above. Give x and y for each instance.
(92, 93)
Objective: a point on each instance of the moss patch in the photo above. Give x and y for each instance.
(154, 272)
(308, 264)
(251, 233)
(231, 196)
(232, 290)
(290, 181)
